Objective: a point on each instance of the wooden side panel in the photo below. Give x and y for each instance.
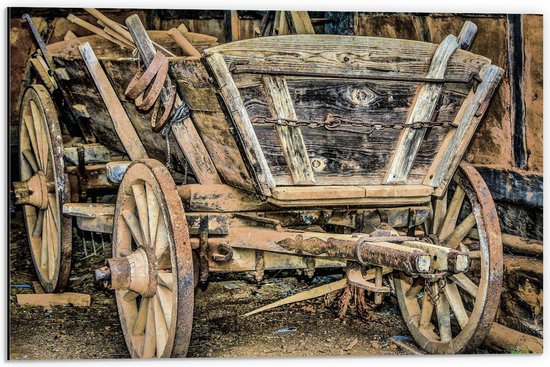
(200, 95)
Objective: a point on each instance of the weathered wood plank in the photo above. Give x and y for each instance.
(348, 192)
(301, 23)
(292, 142)
(241, 120)
(456, 142)
(342, 56)
(185, 133)
(422, 111)
(123, 126)
(54, 299)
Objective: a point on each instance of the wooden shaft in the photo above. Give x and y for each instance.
(185, 45)
(123, 32)
(123, 126)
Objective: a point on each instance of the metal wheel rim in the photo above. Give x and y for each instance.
(172, 216)
(40, 141)
(487, 296)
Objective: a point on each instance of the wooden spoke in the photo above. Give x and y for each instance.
(166, 280)
(45, 242)
(161, 328)
(153, 213)
(130, 296)
(452, 213)
(165, 296)
(465, 283)
(37, 228)
(161, 241)
(440, 209)
(41, 136)
(426, 314)
(443, 317)
(416, 287)
(455, 301)
(141, 204)
(141, 320)
(33, 139)
(461, 231)
(149, 342)
(31, 160)
(52, 250)
(133, 224)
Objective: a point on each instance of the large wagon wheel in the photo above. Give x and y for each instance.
(44, 189)
(152, 268)
(465, 305)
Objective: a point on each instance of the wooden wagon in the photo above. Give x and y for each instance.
(289, 152)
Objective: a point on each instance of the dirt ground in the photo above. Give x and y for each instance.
(303, 329)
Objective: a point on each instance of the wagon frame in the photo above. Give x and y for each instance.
(406, 216)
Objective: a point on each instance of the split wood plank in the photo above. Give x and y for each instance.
(423, 109)
(96, 30)
(467, 119)
(235, 25)
(123, 126)
(301, 22)
(185, 133)
(243, 126)
(292, 141)
(184, 44)
(120, 30)
(47, 300)
(42, 70)
(69, 36)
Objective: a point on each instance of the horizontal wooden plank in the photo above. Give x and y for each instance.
(345, 56)
(54, 299)
(303, 193)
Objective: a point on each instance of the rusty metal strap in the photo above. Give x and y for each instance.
(243, 68)
(141, 80)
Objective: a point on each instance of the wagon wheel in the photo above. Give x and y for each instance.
(43, 189)
(455, 314)
(152, 268)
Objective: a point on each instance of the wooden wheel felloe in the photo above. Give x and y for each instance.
(453, 313)
(44, 189)
(152, 264)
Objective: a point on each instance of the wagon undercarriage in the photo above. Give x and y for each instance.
(263, 173)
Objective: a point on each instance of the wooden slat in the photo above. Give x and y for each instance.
(292, 142)
(301, 23)
(456, 142)
(426, 101)
(347, 192)
(123, 125)
(185, 133)
(243, 126)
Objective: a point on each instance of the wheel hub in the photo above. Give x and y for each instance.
(136, 272)
(33, 192)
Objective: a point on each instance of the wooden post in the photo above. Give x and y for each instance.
(423, 109)
(123, 126)
(185, 133)
(243, 126)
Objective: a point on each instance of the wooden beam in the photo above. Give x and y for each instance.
(423, 109)
(467, 119)
(122, 124)
(185, 132)
(292, 142)
(243, 126)
(54, 299)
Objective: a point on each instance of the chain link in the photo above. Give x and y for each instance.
(335, 122)
(428, 288)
